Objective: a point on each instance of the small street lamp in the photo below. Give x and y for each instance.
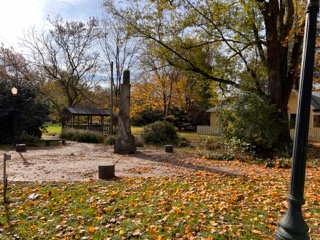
(14, 92)
(292, 226)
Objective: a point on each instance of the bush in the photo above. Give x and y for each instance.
(82, 136)
(250, 120)
(110, 140)
(210, 143)
(159, 132)
(25, 137)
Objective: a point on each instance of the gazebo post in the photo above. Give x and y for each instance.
(102, 123)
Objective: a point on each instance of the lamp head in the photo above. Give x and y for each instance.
(14, 91)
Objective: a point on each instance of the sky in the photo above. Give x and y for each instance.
(17, 16)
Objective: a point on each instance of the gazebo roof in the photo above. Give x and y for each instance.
(88, 111)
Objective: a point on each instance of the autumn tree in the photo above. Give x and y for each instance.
(143, 97)
(158, 96)
(248, 45)
(65, 60)
(168, 89)
(316, 73)
(163, 81)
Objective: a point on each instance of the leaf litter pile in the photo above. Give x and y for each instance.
(200, 205)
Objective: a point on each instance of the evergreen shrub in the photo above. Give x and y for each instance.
(82, 136)
(159, 132)
(251, 121)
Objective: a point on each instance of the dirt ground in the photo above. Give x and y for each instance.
(80, 162)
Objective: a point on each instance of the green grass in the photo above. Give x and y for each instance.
(201, 206)
(6, 147)
(136, 130)
(52, 130)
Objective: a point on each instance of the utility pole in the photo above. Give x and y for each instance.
(111, 102)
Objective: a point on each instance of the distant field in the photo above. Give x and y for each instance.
(52, 130)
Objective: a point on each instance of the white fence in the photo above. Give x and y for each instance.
(314, 134)
(206, 130)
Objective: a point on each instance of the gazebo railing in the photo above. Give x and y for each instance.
(105, 129)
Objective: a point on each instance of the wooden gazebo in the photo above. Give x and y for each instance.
(92, 119)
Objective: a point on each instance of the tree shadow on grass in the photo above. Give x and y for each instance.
(178, 160)
(25, 161)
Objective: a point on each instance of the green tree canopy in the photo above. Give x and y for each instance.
(251, 45)
(25, 108)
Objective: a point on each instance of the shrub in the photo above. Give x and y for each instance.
(139, 143)
(159, 132)
(210, 143)
(250, 120)
(184, 142)
(82, 136)
(110, 140)
(25, 137)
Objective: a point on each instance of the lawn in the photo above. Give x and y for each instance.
(52, 130)
(202, 205)
(199, 206)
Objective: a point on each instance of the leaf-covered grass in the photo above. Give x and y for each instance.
(200, 206)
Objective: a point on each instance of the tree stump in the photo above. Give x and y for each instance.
(21, 148)
(168, 148)
(106, 171)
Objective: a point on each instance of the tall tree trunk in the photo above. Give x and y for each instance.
(125, 142)
(282, 58)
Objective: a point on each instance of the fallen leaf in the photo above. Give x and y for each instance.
(257, 232)
(136, 233)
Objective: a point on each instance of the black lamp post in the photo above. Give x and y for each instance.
(14, 92)
(292, 225)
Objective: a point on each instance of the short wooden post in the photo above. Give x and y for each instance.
(106, 171)
(168, 148)
(21, 148)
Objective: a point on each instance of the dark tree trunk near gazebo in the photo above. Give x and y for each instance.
(125, 142)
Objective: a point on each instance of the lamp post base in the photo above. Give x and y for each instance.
(282, 234)
(292, 226)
